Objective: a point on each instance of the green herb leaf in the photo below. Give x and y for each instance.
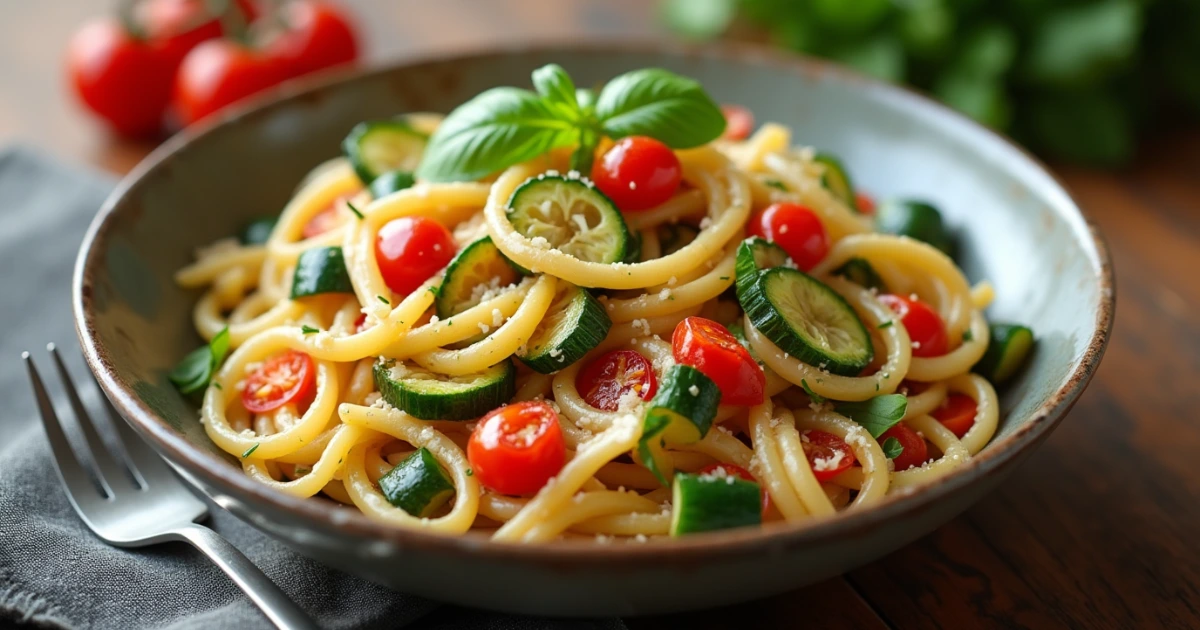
(968, 335)
(877, 414)
(817, 398)
(308, 330)
(663, 105)
(250, 451)
(892, 448)
(1074, 45)
(354, 210)
(888, 324)
(196, 369)
(557, 89)
(699, 19)
(383, 299)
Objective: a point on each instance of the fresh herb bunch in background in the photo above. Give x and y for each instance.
(1073, 79)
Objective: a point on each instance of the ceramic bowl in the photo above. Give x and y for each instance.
(1018, 228)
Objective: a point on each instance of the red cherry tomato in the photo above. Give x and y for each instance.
(609, 378)
(517, 448)
(638, 173)
(409, 250)
(865, 203)
(124, 81)
(828, 455)
(915, 451)
(924, 325)
(318, 36)
(712, 349)
(219, 73)
(738, 471)
(796, 229)
(177, 26)
(288, 377)
(957, 413)
(321, 223)
(739, 122)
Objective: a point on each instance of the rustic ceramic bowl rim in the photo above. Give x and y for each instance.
(217, 473)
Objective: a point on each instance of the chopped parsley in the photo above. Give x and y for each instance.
(250, 451)
(354, 210)
(308, 330)
(968, 335)
(887, 324)
(384, 300)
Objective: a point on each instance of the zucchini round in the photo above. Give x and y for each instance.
(377, 147)
(836, 180)
(390, 182)
(860, 272)
(708, 502)
(430, 396)
(417, 485)
(476, 268)
(808, 320)
(570, 216)
(320, 270)
(915, 219)
(753, 255)
(1007, 351)
(575, 323)
(680, 413)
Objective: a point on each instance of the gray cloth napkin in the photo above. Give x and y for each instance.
(53, 572)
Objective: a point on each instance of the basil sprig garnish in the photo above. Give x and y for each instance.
(877, 414)
(506, 125)
(196, 369)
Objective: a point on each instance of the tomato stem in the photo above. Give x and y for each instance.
(127, 16)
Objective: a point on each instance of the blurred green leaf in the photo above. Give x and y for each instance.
(699, 19)
(977, 96)
(849, 15)
(927, 27)
(1078, 44)
(1084, 127)
(989, 50)
(881, 57)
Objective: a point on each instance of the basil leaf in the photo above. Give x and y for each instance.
(500, 127)
(586, 99)
(892, 448)
(557, 88)
(196, 369)
(877, 414)
(663, 105)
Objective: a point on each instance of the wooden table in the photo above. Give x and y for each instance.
(1100, 528)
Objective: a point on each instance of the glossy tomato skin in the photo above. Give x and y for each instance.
(321, 223)
(319, 35)
(606, 380)
(124, 81)
(517, 448)
(821, 449)
(177, 26)
(915, 450)
(957, 413)
(925, 327)
(218, 73)
(739, 122)
(409, 250)
(712, 349)
(796, 229)
(738, 471)
(286, 378)
(638, 173)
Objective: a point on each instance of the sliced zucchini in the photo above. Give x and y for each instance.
(377, 147)
(417, 485)
(673, 237)
(860, 272)
(575, 323)
(571, 216)
(476, 268)
(633, 249)
(320, 270)
(1007, 351)
(390, 182)
(681, 413)
(753, 255)
(808, 320)
(708, 502)
(258, 231)
(836, 180)
(915, 219)
(430, 396)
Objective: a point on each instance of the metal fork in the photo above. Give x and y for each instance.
(140, 502)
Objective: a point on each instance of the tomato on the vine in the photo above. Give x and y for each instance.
(221, 72)
(124, 80)
(638, 173)
(409, 250)
(796, 229)
(712, 349)
(318, 35)
(517, 448)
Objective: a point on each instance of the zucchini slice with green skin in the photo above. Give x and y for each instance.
(571, 216)
(674, 237)
(753, 255)
(390, 182)
(258, 231)
(418, 485)
(320, 270)
(379, 146)
(575, 323)
(708, 502)
(915, 219)
(430, 396)
(808, 320)
(476, 268)
(681, 412)
(633, 249)
(1007, 351)
(836, 180)
(860, 272)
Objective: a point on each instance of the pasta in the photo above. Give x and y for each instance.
(334, 372)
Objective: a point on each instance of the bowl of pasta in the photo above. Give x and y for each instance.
(594, 329)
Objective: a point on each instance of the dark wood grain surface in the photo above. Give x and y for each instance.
(1099, 529)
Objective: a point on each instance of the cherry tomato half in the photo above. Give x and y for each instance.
(318, 36)
(796, 229)
(915, 451)
(288, 377)
(957, 413)
(409, 250)
(122, 80)
(712, 349)
(321, 223)
(517, 448)
(865, 203)
(638, 173)
(924, 325)
(739, 122)
(828, 455)
(609, 378)
(221, 72)
(738, 471)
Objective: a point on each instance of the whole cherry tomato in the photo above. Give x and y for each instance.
(318, 35)
(221, 72)
(915, 451)
(739, 122)
(288, 377)
(924, 325)
(124, 80)
(638, 173)
(796, 229)
(712, 349)
(409, 250)
(517, 448)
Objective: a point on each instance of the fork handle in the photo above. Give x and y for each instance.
(280, 609)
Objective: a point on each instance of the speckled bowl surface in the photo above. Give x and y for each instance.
(1018, 228)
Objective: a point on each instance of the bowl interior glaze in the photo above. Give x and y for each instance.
(1017, 228)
